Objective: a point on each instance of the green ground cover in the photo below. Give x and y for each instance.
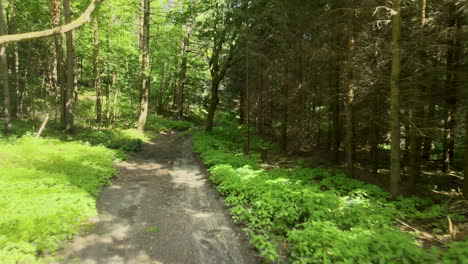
(47, 189)
(313, 215)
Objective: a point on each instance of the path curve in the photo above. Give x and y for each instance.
(161, 209)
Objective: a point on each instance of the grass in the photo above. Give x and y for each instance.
(47, 189)
(312, 215)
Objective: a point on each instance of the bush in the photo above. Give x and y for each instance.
(47, 188)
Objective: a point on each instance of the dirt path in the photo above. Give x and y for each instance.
(161, 209)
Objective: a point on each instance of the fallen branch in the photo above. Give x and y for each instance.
(424, 234)
(85, 17)
(44, 123)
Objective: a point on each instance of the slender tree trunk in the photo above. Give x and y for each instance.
(70, 71)
(247, 95)
(453, 55)
(97, 74)
(183, 71)
(17, 91)
(144, 63)
(395, 101)
(351, 89)
(374, 137)
(336, 116)
(57, 62)
(284, 121)
(5, 77)
(465, 187)
(214, 103)
(426, 153)
(417, 111)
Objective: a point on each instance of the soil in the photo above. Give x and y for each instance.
(161, 208)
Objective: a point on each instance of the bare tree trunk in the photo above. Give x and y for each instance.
(417, 111)
(58, 84)
(395, 101)
(336, 116)
(17, 91)
(453, 55)
(144, 63)
(70, 71)
(465, 187)
(214, 103)
(183, 71)
(5, 77)
(349, 140)
(97, 74)
(285, 110)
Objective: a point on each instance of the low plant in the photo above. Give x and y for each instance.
(47, 189)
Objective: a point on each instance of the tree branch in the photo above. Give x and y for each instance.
(85, 17)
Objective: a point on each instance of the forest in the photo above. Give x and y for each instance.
(327, 131)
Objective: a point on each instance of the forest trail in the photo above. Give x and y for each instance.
(161, 209)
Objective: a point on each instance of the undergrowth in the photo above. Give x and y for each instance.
(312, 215)
(47, 189)
(160, 124)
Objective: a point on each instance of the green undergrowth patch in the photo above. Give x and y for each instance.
(314, 215)
(161, 124)
(124, 139)
(47, 189)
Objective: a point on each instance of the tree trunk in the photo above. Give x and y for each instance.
(284, 121)
(70, 71)
(417, 111)
(5, 77)
(453, 55)
(58, 84)
(17, 91)
(97, 74)
(336, 116)
(465, 187)
(349, 140)
(214, 104)
(183, 71)
(144, 63)
(395, 101)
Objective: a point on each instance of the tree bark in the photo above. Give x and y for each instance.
(336, 116)
(417, 111)
(17, 92)
(144, 63)
(453, 55)
(183, 73)
(97, 73)
(351, 89)
(70, 71)
(5, 76)
(58, 84)
(465, 187)
(395, 100)
(214, 104)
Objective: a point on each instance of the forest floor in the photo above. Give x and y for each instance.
(161, 208)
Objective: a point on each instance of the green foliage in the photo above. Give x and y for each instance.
(47, 189)
(128, 140)
(322, 216)
(160, 124)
